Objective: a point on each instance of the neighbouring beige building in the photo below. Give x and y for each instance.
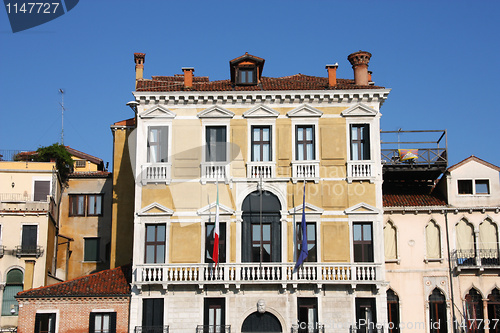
(250, 143)
(441, 248)
(30, 194)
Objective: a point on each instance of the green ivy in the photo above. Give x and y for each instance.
(57, 152)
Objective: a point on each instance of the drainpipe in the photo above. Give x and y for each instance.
(450, 272)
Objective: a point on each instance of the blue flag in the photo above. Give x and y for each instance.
(303, 248)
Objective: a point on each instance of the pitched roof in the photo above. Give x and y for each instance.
(412, 200)
(473, 158)
(293, 82)
(79, 154)
(126, 122)
(111, 282)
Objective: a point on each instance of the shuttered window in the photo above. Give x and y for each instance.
(42, 190)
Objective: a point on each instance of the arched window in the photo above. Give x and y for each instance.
(494, 310)
(474, 312)
(488, 243)
(438, 321)
(466, 249)
(13, 285)
(261, 239)
(433, 241)
(392, 311)
(390, 242)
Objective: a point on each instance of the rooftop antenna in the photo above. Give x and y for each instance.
(62, 115)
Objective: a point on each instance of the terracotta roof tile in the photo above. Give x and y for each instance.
(126, 122)
(90, 174)
(111, 282)
(412, 200)
(293, 82)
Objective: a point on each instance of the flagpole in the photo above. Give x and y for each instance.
(260, 219)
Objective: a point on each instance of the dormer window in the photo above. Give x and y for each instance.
(246, 75)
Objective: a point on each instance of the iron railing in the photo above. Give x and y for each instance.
(29, 251)
(151, 329)
(213, 329)
(476, 258)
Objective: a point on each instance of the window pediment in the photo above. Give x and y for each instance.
(210, 210)
(359, 110)
(155, 209)
(310, 209)
(362, 209)
(215, 112)
(305, 111)
(261, 111)
(157, 111)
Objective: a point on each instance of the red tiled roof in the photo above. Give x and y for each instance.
(111, 282)
(79, 154)
(412, 200)
(90, 174)
(294, 82)
(126, 122)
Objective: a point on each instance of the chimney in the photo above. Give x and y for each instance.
(139, 59)
(188, 77)
(332, 75)
(359, 61)
(370, 77)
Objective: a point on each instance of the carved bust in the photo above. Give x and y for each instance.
(261, 306)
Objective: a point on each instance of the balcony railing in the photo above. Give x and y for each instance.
(213, 329)
(151, 329)
(156, 173)
(308, 170)
(308, 328)
(477, 258)
(212, 171)
(2, 250)
(249, 272)
(260, 169)
(29, 251)
(360, 170)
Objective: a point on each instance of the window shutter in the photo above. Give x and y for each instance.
(366, 138)
(38, 318)
(276, 240)
(246, 246)
(92, 322)
(52, 323)
(164, 144)
(42, 189)
(112, 322)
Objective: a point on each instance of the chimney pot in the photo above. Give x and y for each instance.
(188, 76)
(332, 74)
(359, 61)
(139, 59)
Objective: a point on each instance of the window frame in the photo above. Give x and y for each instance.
(161, 145)
(472, 186)
(313, 242)
(7, 300)
(86, 204)
(156, 243)
(211, 304)
(97, 257)
(52, 315)
(208, 143)
(209, 242)
(112, 321)
(262, 143)
(42, 179)
(100, 196)
(308, 303)
(367, 249)
(242, 75)
(364, 144)
(24, 248)
(305, 142)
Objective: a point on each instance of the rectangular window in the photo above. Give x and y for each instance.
(215, 144)
(45, 323)
(94, 203)
(464, 186)
(80, 163)
(92, 249)
(304, 148)
(158, 144)
(261, 143)
(307, 314)
(155, 244)
(29, 239)
(360, 142)
(42, 190)
(311, 240)
(246, 76)
(77, 205)
(363, 241)
(482, 186)
(214, 315)
(85, 204)
(366, 315)
(152, 315)
(261, 242)
(102, 322)
(209, 242)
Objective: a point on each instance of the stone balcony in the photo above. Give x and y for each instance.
(156, 173)
(360, 170)
(305, 170)
(23, 202)
(254, 273)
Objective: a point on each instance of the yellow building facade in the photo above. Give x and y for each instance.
(265, 153)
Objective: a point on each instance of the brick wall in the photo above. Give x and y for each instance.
(72, 313)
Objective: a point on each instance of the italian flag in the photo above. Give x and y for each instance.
(215, 255)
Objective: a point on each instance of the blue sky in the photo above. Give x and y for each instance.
(440, 58)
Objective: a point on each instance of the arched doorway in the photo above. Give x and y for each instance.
(261, 322)
(261, 238)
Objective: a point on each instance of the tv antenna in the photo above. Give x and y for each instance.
(62, 115)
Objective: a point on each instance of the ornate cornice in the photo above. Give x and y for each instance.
(258, 97)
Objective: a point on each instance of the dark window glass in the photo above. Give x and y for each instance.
(494, 310)
(304, 137)
(214, 315)
(392, 311)
(158, 144)
(152, 315)
(209, 242)
(464, 186)
(94, 203)
(474, 310)
(311, 240)
(482, 186)
(29, 239)
(437, 312)
(307, 310)
(42, 190)
(360, 142)
(362, 241)
(102, 322)
(366, 315)
(261, 143)
(246, 76)
(92, 249)
(216, 144)
(77, 205)
(155, 244)
(45, 323)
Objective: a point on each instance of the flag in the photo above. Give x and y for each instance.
(215, 256)
(303, 248)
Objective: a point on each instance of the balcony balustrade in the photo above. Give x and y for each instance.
(260, 169)
(360, 170)
(312, 328)
(234, 273)
(482, 258)
(308, 170)
(151, 329)
(212, 171)
(156, 173)
(29, 251)
(213, 329)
